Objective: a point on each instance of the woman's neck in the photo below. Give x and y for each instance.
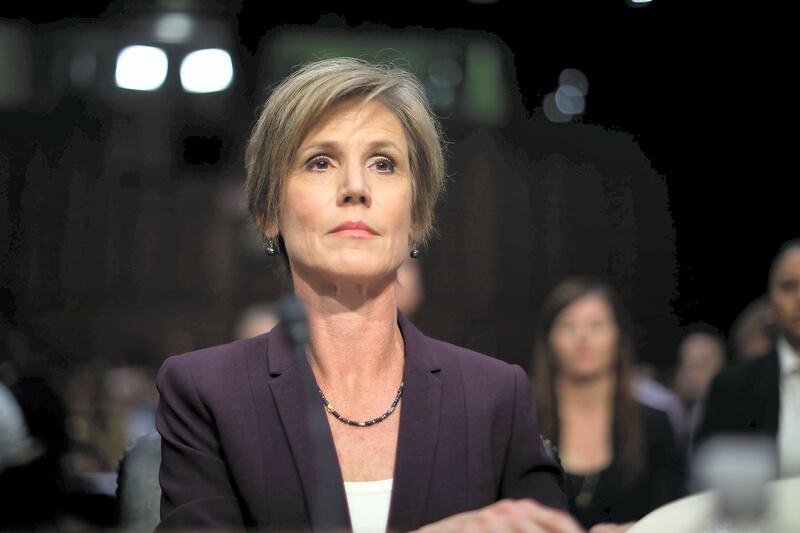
(355, 342)
(586, 394)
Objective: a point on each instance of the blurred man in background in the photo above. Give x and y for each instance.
(701, 355)
(753, 332)
(762, 396)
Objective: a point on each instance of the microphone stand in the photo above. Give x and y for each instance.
(323, 513)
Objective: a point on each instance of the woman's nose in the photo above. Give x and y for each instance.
(353, 188)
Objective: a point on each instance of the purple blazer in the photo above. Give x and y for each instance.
(236, 449)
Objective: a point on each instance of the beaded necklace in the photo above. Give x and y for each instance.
(340, 418)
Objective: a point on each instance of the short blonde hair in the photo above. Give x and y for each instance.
(299, 102)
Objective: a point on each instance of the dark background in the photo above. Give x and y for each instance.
(677, 184)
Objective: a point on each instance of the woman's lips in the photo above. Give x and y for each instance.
(358, 233)
(354, 228)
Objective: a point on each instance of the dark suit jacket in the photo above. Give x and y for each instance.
(744, 399)
(236, 450)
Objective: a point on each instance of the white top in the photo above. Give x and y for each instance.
(368, 502)
(789, 423)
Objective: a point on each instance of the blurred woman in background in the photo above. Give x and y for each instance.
(620, 456)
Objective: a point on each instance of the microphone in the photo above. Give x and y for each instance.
(293, 317)
(295, 323)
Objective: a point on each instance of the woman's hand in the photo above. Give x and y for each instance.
(507, 516)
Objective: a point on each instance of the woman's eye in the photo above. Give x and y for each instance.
(318, 163)
(384, 164)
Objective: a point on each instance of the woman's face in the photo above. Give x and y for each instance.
(584, 338)
(784, 294)
(345, 213)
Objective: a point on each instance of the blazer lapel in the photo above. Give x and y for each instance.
(416, 445)
(419, 430)
(315, 458)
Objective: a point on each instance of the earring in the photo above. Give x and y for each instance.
(414, 253)
(270, 249)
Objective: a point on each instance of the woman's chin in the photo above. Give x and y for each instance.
(355, 271)
(356, 276)
(363, 265)
(586, 374)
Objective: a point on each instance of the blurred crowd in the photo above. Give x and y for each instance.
(85, 453)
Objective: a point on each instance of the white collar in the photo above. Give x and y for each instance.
(789, 360)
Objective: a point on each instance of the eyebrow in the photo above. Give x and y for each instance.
(333, 146)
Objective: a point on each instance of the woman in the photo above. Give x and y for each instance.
(344, 168)
(620, 456)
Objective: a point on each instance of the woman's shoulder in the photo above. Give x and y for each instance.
(219, 354)
(653, 420)
(658, 433)
(211, 364)
(485, 376)
(469, 360)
